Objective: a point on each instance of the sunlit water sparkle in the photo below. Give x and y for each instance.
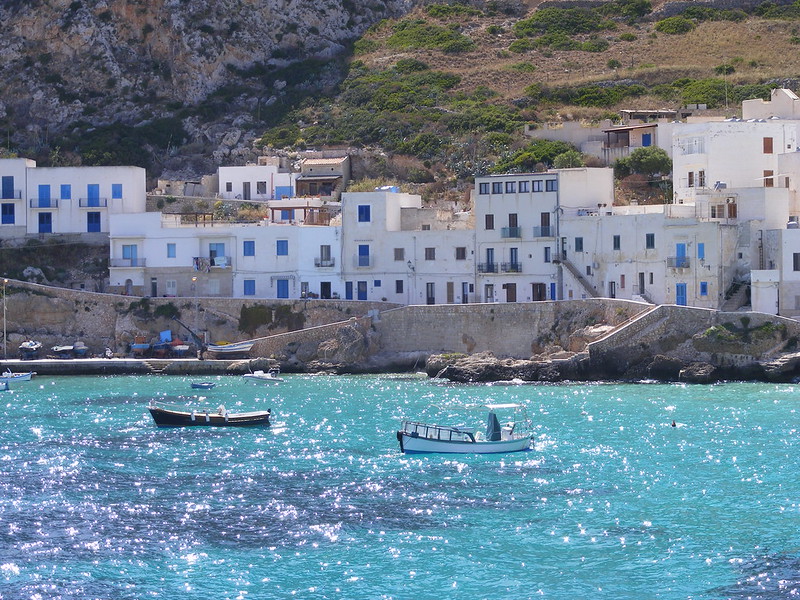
(613, 502)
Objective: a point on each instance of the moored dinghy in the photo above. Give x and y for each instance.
(513, 436)
(168, 416)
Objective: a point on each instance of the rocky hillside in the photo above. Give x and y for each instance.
(439, 90)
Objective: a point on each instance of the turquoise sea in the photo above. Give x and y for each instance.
(613, 502)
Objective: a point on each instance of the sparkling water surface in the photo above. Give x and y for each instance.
(613, 502)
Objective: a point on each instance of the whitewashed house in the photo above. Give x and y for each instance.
(36, 201)
(269, 179)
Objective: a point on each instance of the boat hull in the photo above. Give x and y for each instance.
(411, 444)
(174, 418)
(16, 377)
(203, 386)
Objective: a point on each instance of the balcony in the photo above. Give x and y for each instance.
(128, 262)
(511, 267)
(12, 195)
(544, 231)
(678, 262)
(44, 202)
(202, 263)
(92, 202)
(511, 232)
(324, 262)
(487, 267)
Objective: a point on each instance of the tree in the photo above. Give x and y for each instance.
(650, 161)
(568, 160)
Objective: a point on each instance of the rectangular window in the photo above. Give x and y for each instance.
(701, 250)
(524, 187)
(249, 248)
(650, 240)
(796, 261)
(228, 186)
(704, 288)
(261, 187)
(768, 181)
(287, 214)
(483, 188)
(497, 187)
(66, 191)
(489, 221)
(622, 282)
(513, 220)
(129, 251)
(399, 253)
(7, 212)
(767, 145)
(116, 191)
(551, 185)
(578, 244)
(249, 287)
(701, 179)
(215, 250)
(282, 247)
(171, 250)
(511, 187)
(376, 283)
(651, 278)
(93, 222)
(547, 254)
(732, 210)
(461, 253)
(398, 286)
(537, 185)
(426, 227)
(364, 213)
(616, 242)
(430, 253)
(690, 180)
(363, 255)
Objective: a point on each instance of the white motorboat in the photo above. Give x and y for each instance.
(513, 436)
(270, 376)
(9, 376)
(226, 349)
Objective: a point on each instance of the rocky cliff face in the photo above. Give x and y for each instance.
(71, 65)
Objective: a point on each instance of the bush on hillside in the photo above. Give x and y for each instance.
(569, 21)
(675, 25)
(651, 161)
(535, 153)
(417, 33)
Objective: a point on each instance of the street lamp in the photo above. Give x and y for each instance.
(5, 344)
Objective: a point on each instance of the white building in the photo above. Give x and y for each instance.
(269, 179)
(65, 200)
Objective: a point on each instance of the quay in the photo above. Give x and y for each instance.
(131, 366)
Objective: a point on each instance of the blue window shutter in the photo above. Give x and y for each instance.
(66, 191)
(701, 251)
(282, 247)
(249, 248)
(116, 191)
(249, 287)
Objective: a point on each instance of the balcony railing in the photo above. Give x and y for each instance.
(203, 263)
(678, 262)
(44, 202)
(128, 262)
(92, 202)
(220, 261)
(544, 231)
(324, 262)
(511, 267)
(15, 195)
(511, 232)
(487, 267)
(363, 261)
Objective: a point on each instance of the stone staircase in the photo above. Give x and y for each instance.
(588, 288)
(737, 300)
(155, 365)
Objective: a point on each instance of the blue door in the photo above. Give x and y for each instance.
(552, 291)
(46, 222)
(680, 294)
(93, 194)
(362, 290)
(8, 187)
(348, 290)
(93, 222)
(490, 260)
(647, 140)
(44, 197)
(680, 256)
(283, 288)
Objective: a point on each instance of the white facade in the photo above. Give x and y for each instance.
(65, 200)
(264, 181)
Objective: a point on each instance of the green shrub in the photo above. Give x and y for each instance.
(595, 45)
(521, 46)
(674, 25)
(568, 160)
(522, 67)
(651, 161)
(627, 37)
(419, 34)
(410, 65)
(526, 159)
(569, 21)
(724, 69)
(495, 30)
(613, 63)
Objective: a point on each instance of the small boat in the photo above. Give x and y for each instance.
(80, 350)
(63, 351)
(270, 376)
(9, 376)
(514, 436)
(165, 416)
(3, 386)
(30, 349)
(203, 385)
(232, 348)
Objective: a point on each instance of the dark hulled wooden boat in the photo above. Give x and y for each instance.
(165, 416)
